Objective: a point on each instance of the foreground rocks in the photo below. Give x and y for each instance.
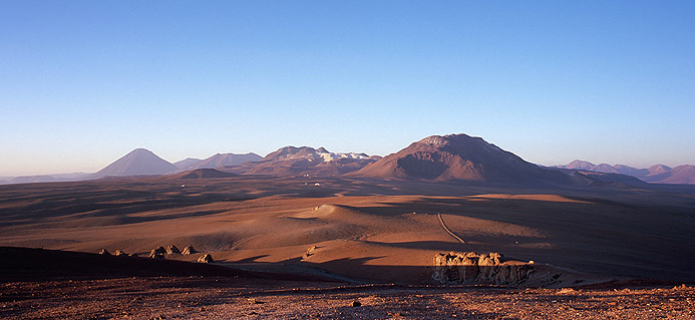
(237, 298)
(484, 268)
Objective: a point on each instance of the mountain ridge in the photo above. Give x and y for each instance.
(432, 158)
(662, 174)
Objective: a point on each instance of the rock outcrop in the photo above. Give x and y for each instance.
(188, 250)
(207, 258)
(158, 253)
(474, 268)
(172, 249)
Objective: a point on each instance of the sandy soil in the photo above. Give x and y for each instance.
(230, 298)
(366, 230)
(377, 237)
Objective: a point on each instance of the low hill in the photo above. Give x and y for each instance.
(203, 174)
(219, 160)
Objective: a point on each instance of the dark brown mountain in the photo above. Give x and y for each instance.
(458, 157)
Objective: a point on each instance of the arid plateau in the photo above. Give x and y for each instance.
(450, 227)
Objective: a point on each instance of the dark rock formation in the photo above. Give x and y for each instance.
(207, 258)
(474, 268)
(188, 250)
(173, 250)
(158, 253)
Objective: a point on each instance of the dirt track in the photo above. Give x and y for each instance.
(451, 233)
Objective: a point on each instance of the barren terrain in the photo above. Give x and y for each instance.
(373, 241)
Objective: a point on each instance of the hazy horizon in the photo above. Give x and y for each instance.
(84, 83)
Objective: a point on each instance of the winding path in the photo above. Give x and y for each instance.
(451, 233)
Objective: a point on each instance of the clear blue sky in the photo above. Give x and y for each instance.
(85, 82)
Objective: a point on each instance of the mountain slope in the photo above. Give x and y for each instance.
(139, 162)
(684, 174)
(288, 161)
(458, 157)
(185, 163)
(659, 173)
(222, 160)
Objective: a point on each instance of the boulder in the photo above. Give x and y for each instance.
(172, 249)
(158, 253)
(188, 250)
(104, 252)
(309, 252)
(206, 258)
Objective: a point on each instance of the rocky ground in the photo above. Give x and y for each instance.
(241, 298)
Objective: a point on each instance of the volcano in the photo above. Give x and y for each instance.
(139, 162)
(458, 157)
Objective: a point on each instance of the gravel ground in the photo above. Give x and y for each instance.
(240, 298)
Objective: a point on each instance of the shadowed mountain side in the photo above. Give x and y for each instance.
(593, 178)
(684, 174)
(203, 174)
(186, 162)
(459, 157)
(217, 160)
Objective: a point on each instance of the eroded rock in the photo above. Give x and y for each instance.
(474, 268)
(188, 250)
(206, 258)
(173, 250)
(158, 253)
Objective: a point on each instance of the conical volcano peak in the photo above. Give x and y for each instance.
(137, 162)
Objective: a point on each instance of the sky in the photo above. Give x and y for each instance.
(82, 83)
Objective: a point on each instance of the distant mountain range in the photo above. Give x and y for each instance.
(684, 174)
(307, 161)
(456, 157)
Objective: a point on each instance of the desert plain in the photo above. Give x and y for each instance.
(341, 247)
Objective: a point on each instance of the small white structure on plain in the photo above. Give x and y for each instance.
(317, 184)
